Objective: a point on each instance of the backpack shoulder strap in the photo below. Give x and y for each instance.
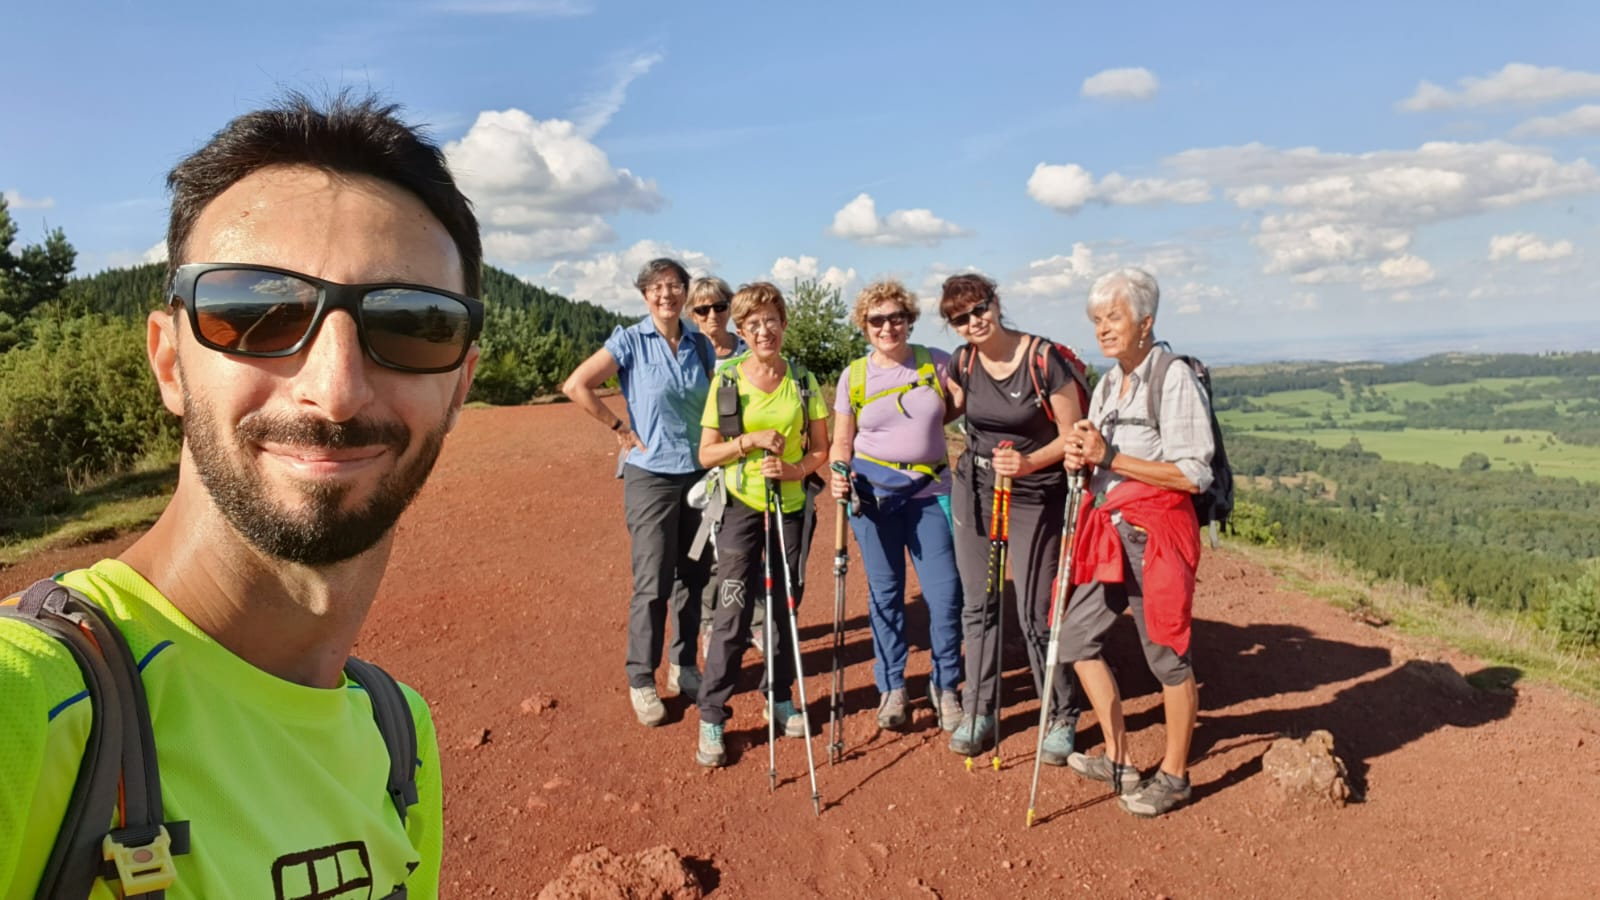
(858, 385)
(1158, 380)
(118, 772)
(961, 365)
(708, 353)
(730, 414)
(393, 715)
(927, 372)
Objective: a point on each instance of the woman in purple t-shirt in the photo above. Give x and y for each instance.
(889, 427)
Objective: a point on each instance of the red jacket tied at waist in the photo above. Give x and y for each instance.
(1170, 557)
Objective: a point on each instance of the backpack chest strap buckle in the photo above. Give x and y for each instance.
(142, 858)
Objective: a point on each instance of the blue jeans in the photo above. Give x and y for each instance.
(920, 527)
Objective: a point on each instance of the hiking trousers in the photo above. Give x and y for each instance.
(1033, 553)
(918, 527)
(740, 544)
(662, 526)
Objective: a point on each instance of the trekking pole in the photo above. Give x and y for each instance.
(841, 565)
(996, 574)
(1003, 493)
(1058, 611)
(799, 671)
(766, 629)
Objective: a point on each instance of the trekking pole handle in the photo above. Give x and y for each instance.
(841, 527)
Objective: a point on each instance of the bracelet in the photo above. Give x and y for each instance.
(1110, 454)
(617, 425)
(738, 444)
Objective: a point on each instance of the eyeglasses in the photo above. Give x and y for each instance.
(676, 288)
(264, 312)
(718, 307)
(959, 320)
(756, 326)
(895, 318)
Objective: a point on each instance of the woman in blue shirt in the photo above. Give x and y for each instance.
(664, 368)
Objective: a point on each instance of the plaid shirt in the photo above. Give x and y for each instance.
(1184, 437)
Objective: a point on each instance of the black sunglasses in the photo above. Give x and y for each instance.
(959, 320)
(720, 306)
(882, 319)
(265, 312)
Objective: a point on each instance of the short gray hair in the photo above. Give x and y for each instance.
(1134, 285)
(710, 288)
(653, 269)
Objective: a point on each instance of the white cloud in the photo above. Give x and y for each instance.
(596, 111)
(1582, 120)
(1121, 84)
(156, 254)
(1334, 218)
(15, 200)
(541, 188)
(1518, 84)
(1065, 188)
(858, 221)
(1399, 272)
(1068, 276)
(787, 270)
(1525, 247)
(607, 278)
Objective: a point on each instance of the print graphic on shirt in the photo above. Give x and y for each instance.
(337, 872)
(732, 592)
(1015, 394)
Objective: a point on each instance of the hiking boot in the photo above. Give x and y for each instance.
(790, 723)
(711, 753)
(971, 735)
(1159, 794)
(647, 705)
(1123, 779)
(892, 708)
(683, 680)
(946, 705)
(1058, 742)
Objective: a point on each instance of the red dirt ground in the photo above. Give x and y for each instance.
(506, 601)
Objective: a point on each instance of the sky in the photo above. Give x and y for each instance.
(1361, 180)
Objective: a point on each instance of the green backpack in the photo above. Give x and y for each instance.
(927, 376)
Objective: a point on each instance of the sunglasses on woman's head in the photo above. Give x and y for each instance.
(720, 307)
(882, 319)
(960, 320)
(265, 312)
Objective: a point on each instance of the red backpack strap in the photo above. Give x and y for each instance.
(1039, 351)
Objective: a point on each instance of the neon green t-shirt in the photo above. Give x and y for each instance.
(284, 786)
(760, 411)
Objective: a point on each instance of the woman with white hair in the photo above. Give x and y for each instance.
(1138, 547)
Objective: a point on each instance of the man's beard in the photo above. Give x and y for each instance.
(320, 532)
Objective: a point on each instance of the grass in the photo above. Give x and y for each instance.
(1445, 447)
(124, 503)
(1497, 638)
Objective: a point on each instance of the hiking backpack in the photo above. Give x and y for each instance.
(927, 376)
(1213, 505)
(119, 776)
(1037, 359)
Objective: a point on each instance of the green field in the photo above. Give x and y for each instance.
(1328, 420)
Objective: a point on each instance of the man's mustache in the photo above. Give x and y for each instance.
(310, 431)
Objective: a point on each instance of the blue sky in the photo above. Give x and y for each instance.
(1322, 182)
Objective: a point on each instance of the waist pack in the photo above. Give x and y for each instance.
(886, 486)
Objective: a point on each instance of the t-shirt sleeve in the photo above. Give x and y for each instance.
(841, 394)
(38, 680)
(620, 346)
(425, 823)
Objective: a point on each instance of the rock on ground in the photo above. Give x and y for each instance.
(1306, 770)
(655, 874)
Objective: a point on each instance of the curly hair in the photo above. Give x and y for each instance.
(890, 291)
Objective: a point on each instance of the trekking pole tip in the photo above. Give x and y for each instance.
(969, 764)
(996, 763)
(1030, 817)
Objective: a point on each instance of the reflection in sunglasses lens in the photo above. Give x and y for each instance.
(414, 329)
(252, 311)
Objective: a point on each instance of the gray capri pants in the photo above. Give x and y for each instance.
(1095, 607)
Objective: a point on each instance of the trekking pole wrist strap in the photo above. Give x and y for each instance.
(1105, 460)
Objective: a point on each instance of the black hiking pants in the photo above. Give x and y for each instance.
(740, 544)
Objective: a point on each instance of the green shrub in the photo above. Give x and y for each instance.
(76, 404)
(1574, 607)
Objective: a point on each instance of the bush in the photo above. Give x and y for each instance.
(1574, 610)
(78, 403)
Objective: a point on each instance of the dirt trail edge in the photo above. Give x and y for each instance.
(506, 603)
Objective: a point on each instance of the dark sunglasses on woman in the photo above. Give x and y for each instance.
(960, 320)
(882, 319)
(708, 309)
(265, 312)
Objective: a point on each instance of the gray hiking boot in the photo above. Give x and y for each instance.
(790, 723)
(647, 705)
(1123, 779)
(683, 680)
(711, 753)
(1058, 742)
(971, 735)
(892, 708)
(1159, 794)
(946, 705)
